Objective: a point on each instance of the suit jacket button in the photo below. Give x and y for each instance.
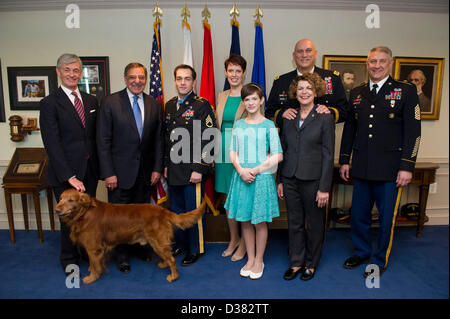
(370, 135)
(370, 125)
(371, 115)
(372, 106)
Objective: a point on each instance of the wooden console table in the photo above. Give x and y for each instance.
(27, 174)
(424, 175)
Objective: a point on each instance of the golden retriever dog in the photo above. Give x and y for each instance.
(100, 226)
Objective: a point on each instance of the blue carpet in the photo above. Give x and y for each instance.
(418, 269)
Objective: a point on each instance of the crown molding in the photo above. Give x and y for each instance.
(423, 6)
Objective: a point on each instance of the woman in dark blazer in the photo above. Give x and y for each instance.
(305, 175)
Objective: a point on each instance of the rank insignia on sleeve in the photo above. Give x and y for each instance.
(209, 121)
(417, 112)
(416, 147)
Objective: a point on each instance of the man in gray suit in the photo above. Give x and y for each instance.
(130, 146)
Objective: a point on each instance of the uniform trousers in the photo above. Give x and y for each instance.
(70, 253)
(386, 196)
(139, 193)
(306, 222)
(182, 200)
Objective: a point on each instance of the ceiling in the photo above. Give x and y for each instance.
(429, 6)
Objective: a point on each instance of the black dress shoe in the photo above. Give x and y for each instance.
(178, 251)
(124, 267)
(291, 274)
(354, 261)
(367, 273)
(190, 259)
(307, 275)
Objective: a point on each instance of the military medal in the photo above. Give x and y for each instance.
(283, 97)
(188, 114)
(392, 103)
(328, 85)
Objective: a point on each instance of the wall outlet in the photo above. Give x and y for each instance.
(433, 188)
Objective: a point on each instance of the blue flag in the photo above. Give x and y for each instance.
(235, 45)
(259, 69)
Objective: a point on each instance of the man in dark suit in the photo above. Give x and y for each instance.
(383, 133)
(68, 126)
(130, 147)
(187, 157)
(279, 105)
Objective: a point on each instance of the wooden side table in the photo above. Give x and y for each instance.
(27, 174)
(424, 175)
(23, 190)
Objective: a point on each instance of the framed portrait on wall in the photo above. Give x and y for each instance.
(427, 74)
(352, 69)
(95, 78)
(29, 85)
(2, 102)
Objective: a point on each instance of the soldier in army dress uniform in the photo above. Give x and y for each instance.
(280, 105)
(382, 133)
(188, 157)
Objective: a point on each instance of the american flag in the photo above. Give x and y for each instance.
(156, 76)
(158, 193)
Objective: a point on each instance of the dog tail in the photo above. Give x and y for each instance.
(188, 219)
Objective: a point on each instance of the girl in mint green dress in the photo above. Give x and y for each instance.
(255, 151)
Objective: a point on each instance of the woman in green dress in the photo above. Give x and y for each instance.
(230, 109)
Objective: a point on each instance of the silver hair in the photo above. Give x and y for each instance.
(382, 49)
(68, 58)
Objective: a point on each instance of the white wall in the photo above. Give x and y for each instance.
(38, 38)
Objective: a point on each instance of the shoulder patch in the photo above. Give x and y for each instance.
(402, 81)
(361, 84)
(336, 73)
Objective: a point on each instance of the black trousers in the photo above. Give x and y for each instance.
(138, 194)
(70, 253)
(306, 222)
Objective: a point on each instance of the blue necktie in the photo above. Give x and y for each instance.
(137, 115)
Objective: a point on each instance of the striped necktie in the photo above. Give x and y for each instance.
(137, 115)
(79, 108)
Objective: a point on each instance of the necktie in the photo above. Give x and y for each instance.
(373, 92)
(137, 114)
(79, 108)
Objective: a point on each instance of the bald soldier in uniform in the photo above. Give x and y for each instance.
(334, 100)
(383, 133)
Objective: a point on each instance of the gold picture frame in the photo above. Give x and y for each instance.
(429, 70)
(352, 69)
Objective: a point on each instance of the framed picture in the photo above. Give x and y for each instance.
(352, 69)
(95, 79)
(427, 74)
(29, 85)
(2, 102)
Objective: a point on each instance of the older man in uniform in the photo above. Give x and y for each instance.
(334, 100)
(188, 158)
(383, 132)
